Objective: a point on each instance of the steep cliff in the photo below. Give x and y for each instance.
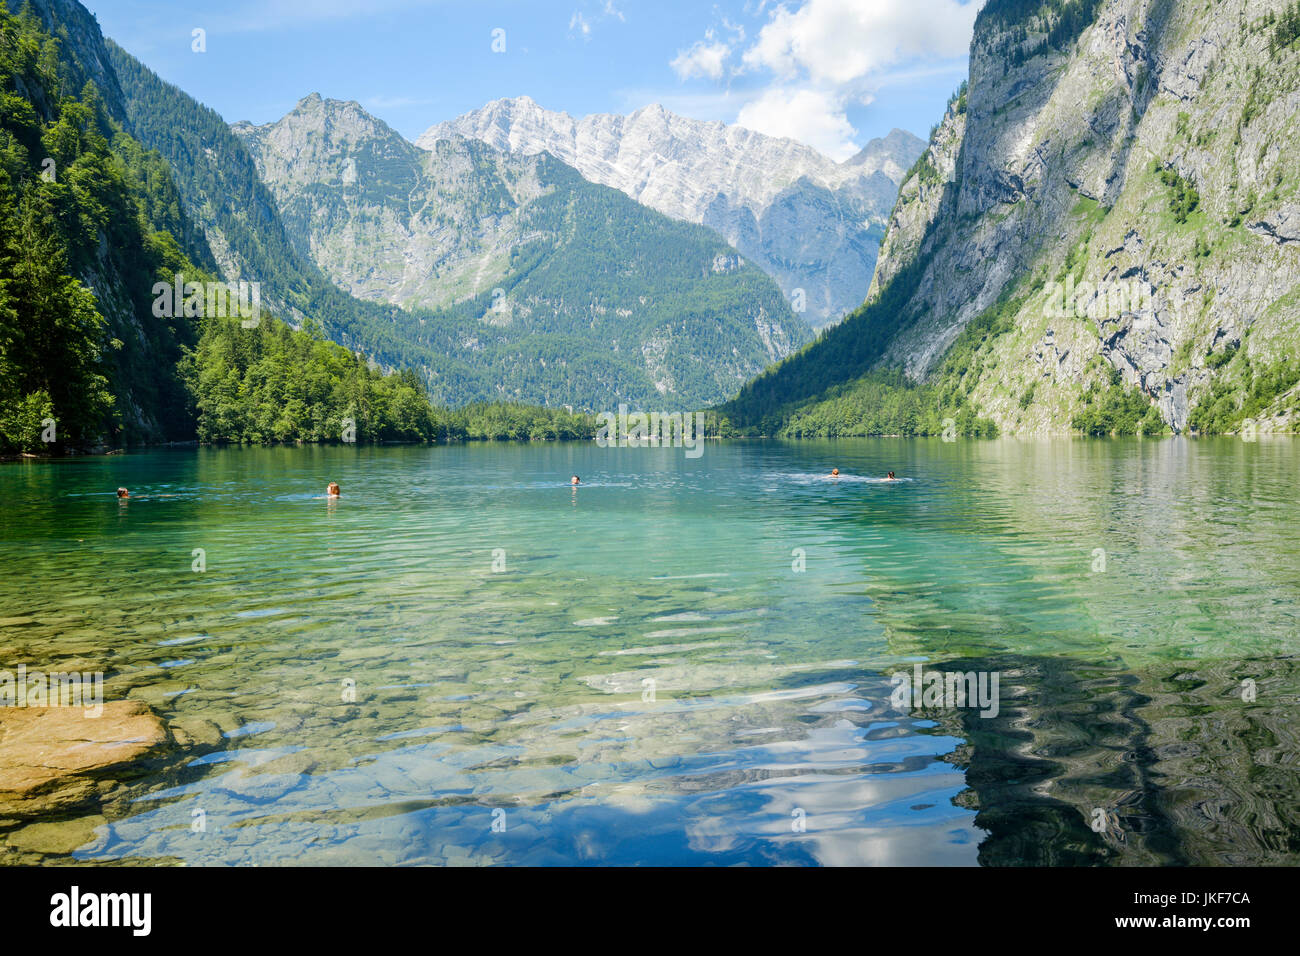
(89, 220)
(1114, 199)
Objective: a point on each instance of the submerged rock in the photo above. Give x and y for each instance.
(51, 757)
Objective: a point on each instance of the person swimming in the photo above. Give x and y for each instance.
(123, 493)
(333, 490)
(575, 480)
(835, 472)
(890, 477)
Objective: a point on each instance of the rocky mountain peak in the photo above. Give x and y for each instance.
(809, 222)
(893, 153)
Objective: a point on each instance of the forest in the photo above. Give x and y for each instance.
(89, 221)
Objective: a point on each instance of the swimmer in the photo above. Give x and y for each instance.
(890, 477)
(575, 480)
(835, 472)
(333, 490)
(123, 493)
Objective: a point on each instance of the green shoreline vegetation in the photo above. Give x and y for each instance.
(89, 221)
(874, 402)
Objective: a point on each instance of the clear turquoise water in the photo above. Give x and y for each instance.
(503, 716)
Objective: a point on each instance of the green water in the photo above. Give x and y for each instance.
(505, 716)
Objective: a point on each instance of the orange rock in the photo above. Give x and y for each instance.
(50, 755)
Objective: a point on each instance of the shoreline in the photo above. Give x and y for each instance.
(196, 444)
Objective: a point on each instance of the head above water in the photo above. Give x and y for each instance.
(333, 489)
(891, 477)
(123, 493)
(835, 472)
(575, 480)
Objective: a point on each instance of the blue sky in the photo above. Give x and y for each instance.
(831, 73)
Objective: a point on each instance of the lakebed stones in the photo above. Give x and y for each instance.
(52, 757)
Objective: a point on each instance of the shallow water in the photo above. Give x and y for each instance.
(681, 661)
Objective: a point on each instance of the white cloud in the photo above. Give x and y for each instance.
(812, 60)
(583, 23)
(840, 41)
(737, 29)
(813, 117)
(703, 58)
(580, 23)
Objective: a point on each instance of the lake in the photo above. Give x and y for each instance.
(463, 660)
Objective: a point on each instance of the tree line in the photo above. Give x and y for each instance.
(89, 222)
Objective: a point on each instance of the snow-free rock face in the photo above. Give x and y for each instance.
(532, 270)
(892, 155)
(383, 219)
(812, 224)
(1152, 151)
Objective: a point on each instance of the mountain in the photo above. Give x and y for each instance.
(812, 224)
(463, 358)
(92, 227)
(558, 290)
(1102, 236)
(893, 154)
(221, 191)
